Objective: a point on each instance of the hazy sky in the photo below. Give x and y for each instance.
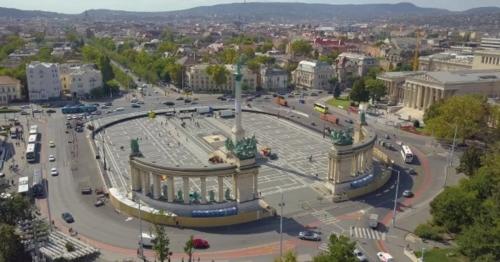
(78, 6)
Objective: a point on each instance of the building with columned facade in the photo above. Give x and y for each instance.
(312, 75)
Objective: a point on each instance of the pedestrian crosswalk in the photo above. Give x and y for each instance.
(324, 217)
(366, 233)
(323, 246)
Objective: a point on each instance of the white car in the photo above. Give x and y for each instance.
(359, 255)
(385, 257)
(53, 171)
(52, 158)
(52, 144)
(119, 109)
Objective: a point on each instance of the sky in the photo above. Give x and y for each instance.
(78, 6)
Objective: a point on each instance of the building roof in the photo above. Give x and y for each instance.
(399, 74)
(44, 64)
(459, 77)
(452, 57)
(7, 80)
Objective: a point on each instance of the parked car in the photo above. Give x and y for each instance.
(359, 255)
(168, 103)
(349, 121)
(50, 111)
(86, 190)
(24, 113)
(135, 105)
(187, 101)
(407, 193)
(309, 235)
(52, 158)
(108, 104)
(67, 217)
(36, 111)
(180, 98)
(200, 243)
(313, 124)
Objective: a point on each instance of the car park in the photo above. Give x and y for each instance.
(67, 217)
(200, 243)
(309, 235)
(52, 158)
(359, 255)
(407, 193)
(54, 172)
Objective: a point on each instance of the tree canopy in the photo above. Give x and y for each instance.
(301, 48)
(218, 73)
(359, 92)
(375, 88)
(340, 248)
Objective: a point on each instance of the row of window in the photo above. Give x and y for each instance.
(7, 89)
(490, 60)
(6, 98)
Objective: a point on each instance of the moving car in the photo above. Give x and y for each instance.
(50, 111)
(407, 193)
(384, 257)
(359, 255)
(135, 105)
(67, 217)
(373, 221)
(200, 243)
(168, 103)
(119, 109)
(187, 101)
(309, 235)
(180, 98)
(52, 144)
(24, 113)
(147, 239)
(53, 171)
(52, 158)
(99, 203)
(349, 121)
(87, 190)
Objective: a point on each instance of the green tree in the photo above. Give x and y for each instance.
(253, 65)
(161, 245)
(359, 92)
(340, 248)
(90, 54)
(14, 209)
(218, 73)
(289, 256)
(334, 83)
(228, 56)
(11, 248)
(106, 69)
(469, 113)
(175, 72)
(454, 209)
(481, 241)
(267, 46)
(470, 161)
(188, 248)
(375, 88)
(301, 48)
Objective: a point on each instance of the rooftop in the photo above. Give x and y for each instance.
(459, 77)
(7, 80)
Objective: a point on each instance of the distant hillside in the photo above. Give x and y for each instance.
(16, 13)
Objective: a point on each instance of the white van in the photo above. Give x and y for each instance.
(385, 257)
(373, 221)
(148, 240)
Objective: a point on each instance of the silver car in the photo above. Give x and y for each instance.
(359, 255)
(309, 235)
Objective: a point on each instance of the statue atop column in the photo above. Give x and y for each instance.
(341, 137)
(134, 148)
(244, 149)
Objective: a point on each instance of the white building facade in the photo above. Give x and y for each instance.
(79, 80)
(273, 79)
(199, 80)
(312, 75)
(43, 81)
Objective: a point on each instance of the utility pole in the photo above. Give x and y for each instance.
(449, 163)
(281, 205)
(141, 247)
(395, 199)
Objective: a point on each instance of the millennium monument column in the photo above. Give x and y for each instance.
(237, 131)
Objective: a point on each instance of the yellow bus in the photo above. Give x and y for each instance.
(321, 108)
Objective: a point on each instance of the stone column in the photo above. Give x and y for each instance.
(336, 178)
(171, 189)
(415, 96)
(443, 94)
(136, 179)
(419, 96)
(235, 187)
(185, 189)
(146, 184)
(405, 96)
(156, 186)
(256, 185)
(426, 97)
(203, 186)
(220, 182)
(354, 160)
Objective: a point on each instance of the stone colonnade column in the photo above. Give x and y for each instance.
(156, 186)
(426, 97)
(146, 183)
(170, 189)
(419, 97)
(256, 185)
(136, 178)
(203, 185)
(185, 189)
(235, 187)
(220, 182)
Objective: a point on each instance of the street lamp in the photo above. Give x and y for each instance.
(141, 247)
(281, 205)
(449, 162)
(395, 197)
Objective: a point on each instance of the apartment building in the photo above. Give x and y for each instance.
(273, 79)
(353, 64)
(312, 75)
(199, 80)
(79, 80)
(43, 81)
(10, 89)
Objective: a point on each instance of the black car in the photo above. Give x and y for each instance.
(187, 101)
(50, 111)
(180, 98)
(24, 113)
(108, 104)
(67, 217)
(168, 103)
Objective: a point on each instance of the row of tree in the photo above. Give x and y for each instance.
(368, 87)
(13, 210)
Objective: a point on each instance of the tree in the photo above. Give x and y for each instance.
(334, 83)
(11, 248)
(469, 113)
(175, 72)
(267, 46)
(454, 209)
(359, 92)
(301, 48)
(188, 248)
(228, 56)
(14, 209)
(90, 54)
(218, 73)
(375, 88)
(160, 246)
(340, 248)
(289, 256)
(106, 69)
(480, 241)
(470, 161)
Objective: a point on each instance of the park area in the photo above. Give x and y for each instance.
(341, 102)
(442, 255)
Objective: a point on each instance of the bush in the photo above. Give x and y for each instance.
(428, 231)
(70, 247)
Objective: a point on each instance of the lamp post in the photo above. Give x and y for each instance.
(449, 162)
(281, 205)
(141, 247)
(395, 197)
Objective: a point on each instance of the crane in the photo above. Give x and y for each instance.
(417, 49)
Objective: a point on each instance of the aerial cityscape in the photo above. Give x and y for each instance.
(245, 131)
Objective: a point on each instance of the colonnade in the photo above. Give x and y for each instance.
(421, 97)
(394, 91)
(150, 183)
(342, 168)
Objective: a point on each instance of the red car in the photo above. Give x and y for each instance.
(199, 243)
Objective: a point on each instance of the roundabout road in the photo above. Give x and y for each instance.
(116, 234)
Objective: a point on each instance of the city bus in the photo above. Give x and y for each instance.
(23, 185)
(406, 154)
(32, 139)
(31, 153)
(33, 130)
(37, 187)
(321, 108)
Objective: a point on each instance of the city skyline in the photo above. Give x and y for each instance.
(170, 5)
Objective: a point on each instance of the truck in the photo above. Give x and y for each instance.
(226, 113)
(203, 110)
(373, 221)
(280, 100)
(329, 118)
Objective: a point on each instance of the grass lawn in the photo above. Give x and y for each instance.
(442, 255)
(8, 110)
(343, 103)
